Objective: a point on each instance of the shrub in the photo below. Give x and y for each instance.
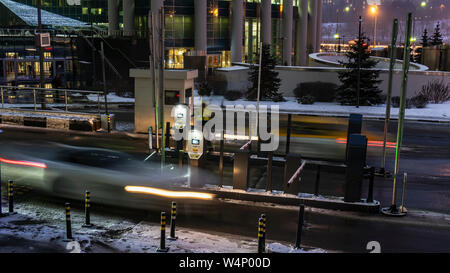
(308, 99)
(436, 91)
(419, 101)
(321, 91)
(233, 95)
(204, 89)
(395, 102)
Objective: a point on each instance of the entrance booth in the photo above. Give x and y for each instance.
(179, 89)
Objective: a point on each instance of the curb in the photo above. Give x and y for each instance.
(292, 200)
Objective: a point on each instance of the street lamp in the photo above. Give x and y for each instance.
(374, 12)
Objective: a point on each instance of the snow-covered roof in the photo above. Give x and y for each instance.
(29, 15)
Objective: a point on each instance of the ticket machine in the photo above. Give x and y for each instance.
(195, 150)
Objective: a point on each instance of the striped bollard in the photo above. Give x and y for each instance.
(11, 196)
(261, 245)
(162, 247)
(68, 224)
(264, 220)
(173, 218)
(87, 209)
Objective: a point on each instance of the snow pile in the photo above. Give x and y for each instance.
(431, 112)
(279, 248)
(113, 98)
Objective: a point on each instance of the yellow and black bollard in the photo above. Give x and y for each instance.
(68, 223)
(264, 221)
(11, 196)
(173, 218)
(162, 247)
(87, 209)
(109, 123)
(261, 231)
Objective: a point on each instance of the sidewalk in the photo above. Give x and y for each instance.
(37, 229)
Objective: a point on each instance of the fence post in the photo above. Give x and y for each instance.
(371, 180)
(167, 134)
(269, 172)
(288, 134)
(222, 144)
(34, 98)
(65, 100)
(3, 102)
(98, 103)
(301, 214)
(316, 191)
(240, 170)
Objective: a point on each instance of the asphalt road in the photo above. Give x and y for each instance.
(425, 158)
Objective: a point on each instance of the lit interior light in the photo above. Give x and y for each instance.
(23, 163)
(167, 193)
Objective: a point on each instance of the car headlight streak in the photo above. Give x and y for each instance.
(167, 193)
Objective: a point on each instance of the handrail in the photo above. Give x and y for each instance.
(50, 89)
(297, 173)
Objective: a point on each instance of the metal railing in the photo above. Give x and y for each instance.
(22, 97)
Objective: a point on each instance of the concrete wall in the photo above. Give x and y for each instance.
(237, 79)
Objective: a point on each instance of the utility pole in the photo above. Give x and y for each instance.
(358, 83)
(393, 210)
(153, 72)
(161, 89)
(41, 56)
(105, 92)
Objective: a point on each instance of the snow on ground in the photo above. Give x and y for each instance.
(431, 112)
(112, 98)
(43, 224)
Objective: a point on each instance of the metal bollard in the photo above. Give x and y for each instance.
(87, 209)
(316, 191)
(261, 231)
(402, 208)
(167, 135)
(162, 247)
(68, 223)
(264, 221)
(173, 218)
(11, 196)
(150, 139)
(371, 180)
(109, 123)
(301, 215)
(288, 134)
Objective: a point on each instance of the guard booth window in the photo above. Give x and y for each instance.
(172, 97)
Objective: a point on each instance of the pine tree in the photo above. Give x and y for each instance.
(369, 91)
(270, 82)
(436, 40)
(425, 38)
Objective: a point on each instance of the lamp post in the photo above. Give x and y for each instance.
(374, 11)
(41, 54)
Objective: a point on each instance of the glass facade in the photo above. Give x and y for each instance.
(180, 25)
